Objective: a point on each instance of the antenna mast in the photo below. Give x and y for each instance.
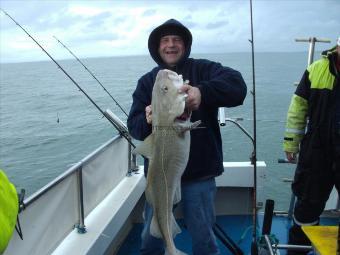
(312, 41)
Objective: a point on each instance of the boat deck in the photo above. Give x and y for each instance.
(238, 228)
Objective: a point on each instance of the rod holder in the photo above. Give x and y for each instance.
(221, 116)
(268, 217)
(121, 125)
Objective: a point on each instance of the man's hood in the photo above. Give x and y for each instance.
(170, 27)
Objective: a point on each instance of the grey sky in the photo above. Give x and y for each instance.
(110, 28)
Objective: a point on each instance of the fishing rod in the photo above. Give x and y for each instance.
(254, 248)
(94, 77)
(122, 132)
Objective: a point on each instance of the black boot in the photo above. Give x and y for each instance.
(297, 237)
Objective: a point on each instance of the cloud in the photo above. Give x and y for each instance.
(122, 27)
(150, 12)
(98, 20)
(215, 25)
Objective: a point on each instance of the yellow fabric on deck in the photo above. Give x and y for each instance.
(8, 210)
(323, 238)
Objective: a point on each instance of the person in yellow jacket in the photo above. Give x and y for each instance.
(9, 208)
(313, 133)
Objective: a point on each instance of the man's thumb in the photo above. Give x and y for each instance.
(185, 88)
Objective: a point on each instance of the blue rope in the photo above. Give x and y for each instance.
(245, 233)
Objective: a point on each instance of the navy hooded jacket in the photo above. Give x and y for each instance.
(219, 86)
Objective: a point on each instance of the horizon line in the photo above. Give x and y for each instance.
(146, 55)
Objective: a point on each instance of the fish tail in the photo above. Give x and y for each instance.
(154, 228)
(174, 227)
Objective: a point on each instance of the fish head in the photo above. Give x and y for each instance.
(168, 102)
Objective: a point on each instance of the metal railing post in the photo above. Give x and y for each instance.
(81, 225)
(312, 41)
(132, 166)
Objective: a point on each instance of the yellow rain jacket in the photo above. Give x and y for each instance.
(312, 100)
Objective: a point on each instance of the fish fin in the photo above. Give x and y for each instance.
(177, 196)
(181, 127)
(195, 124)
(154, 228)
(145, 148)
(174, 227)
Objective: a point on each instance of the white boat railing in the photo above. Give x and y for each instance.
(54, 211)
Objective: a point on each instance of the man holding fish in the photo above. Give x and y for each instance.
(180, 164)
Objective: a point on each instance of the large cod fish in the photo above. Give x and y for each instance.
(167, 149)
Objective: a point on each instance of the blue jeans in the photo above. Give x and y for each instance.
(198, 206)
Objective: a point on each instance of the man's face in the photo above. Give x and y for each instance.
(171, 49)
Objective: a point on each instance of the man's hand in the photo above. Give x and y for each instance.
(148, 114)
(291, 156)
(193, 100)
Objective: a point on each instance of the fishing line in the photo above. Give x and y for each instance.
(254, 248)
(94, 77)
(106, 115)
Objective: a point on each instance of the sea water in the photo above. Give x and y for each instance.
(47, 124)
